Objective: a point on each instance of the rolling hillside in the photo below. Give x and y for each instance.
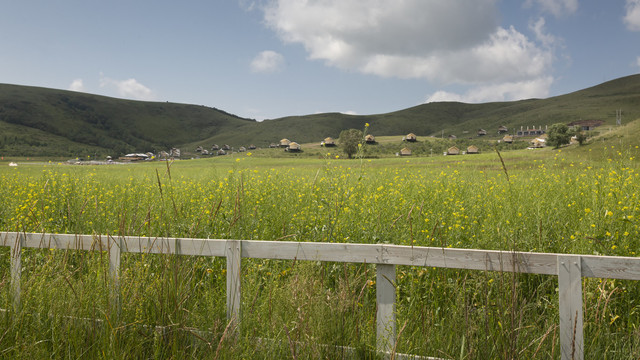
(463, 120)
(46, 122)
(39, 121)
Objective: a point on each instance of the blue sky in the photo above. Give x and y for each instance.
(273, 58)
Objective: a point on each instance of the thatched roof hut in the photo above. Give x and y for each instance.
(453, 151)
(538, 143)
(222, 152)
(482, 132)
(293, 147)
(215, 147)
(503, 129)
(252, 147)
(284, 143)
(370, 139)
(508, 139)
(242, 149)
(273, 145)
(411, 137)
(226, 147)
(328, 142)
(472, 149)
(405, 152)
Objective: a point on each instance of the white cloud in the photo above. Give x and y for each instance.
(536, 88)
(267, 62)
(544, 38)
(555, 7)
(632, 17)
(77, 85)
(454, 41)
(129, 88)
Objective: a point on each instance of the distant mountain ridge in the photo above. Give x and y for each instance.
(38, 121)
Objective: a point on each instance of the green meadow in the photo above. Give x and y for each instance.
(573, 200)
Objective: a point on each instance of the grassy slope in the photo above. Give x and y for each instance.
(77, 121)
(463, 120)
(55, 122)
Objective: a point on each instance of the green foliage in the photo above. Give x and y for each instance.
(558, 135)
(581, 137)
(350, 140)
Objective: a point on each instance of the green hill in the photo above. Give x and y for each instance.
(460, 119)
(46, 122)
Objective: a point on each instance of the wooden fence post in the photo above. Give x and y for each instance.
(15, 248)
(386, 304)
(233, 252)
(570, 307)
(115, 250)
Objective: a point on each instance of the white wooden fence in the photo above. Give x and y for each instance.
(568, 268)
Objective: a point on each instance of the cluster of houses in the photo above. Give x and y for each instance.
(287, 145)
(292, 146)
(222, 150)
(163, 155)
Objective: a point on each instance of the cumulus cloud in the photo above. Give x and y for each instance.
(267, 62)
(632, 17)
(349, 112)
(129, 88)
(536, 88)
(555, 7)
(77, 85)
(454, 41)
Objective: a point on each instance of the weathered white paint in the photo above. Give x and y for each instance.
(15, 247)
(233, 254)
(570, 299)
(386, 307)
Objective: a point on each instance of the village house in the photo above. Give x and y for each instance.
(411, 137)
(284, 143)
(482, 132)
(453, 151)
(508, 139)
(503, 129)
(134, 157)
(405, 151)
(328, 142)
(370, 139)
(531, 132)
(472, 149)
(537, 143)
(586, 125)
(293, 147)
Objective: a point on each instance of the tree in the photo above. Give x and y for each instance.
(559, 135)
(350, 140)
(581, 137)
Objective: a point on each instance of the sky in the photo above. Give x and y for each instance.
(267, 59)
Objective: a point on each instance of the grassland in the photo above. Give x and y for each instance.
(47, 122)
(574, 200)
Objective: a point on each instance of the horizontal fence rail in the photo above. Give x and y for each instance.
(570, 269)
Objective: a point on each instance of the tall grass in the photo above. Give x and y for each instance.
(174, 307)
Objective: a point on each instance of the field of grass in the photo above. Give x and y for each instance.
(582, 201)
